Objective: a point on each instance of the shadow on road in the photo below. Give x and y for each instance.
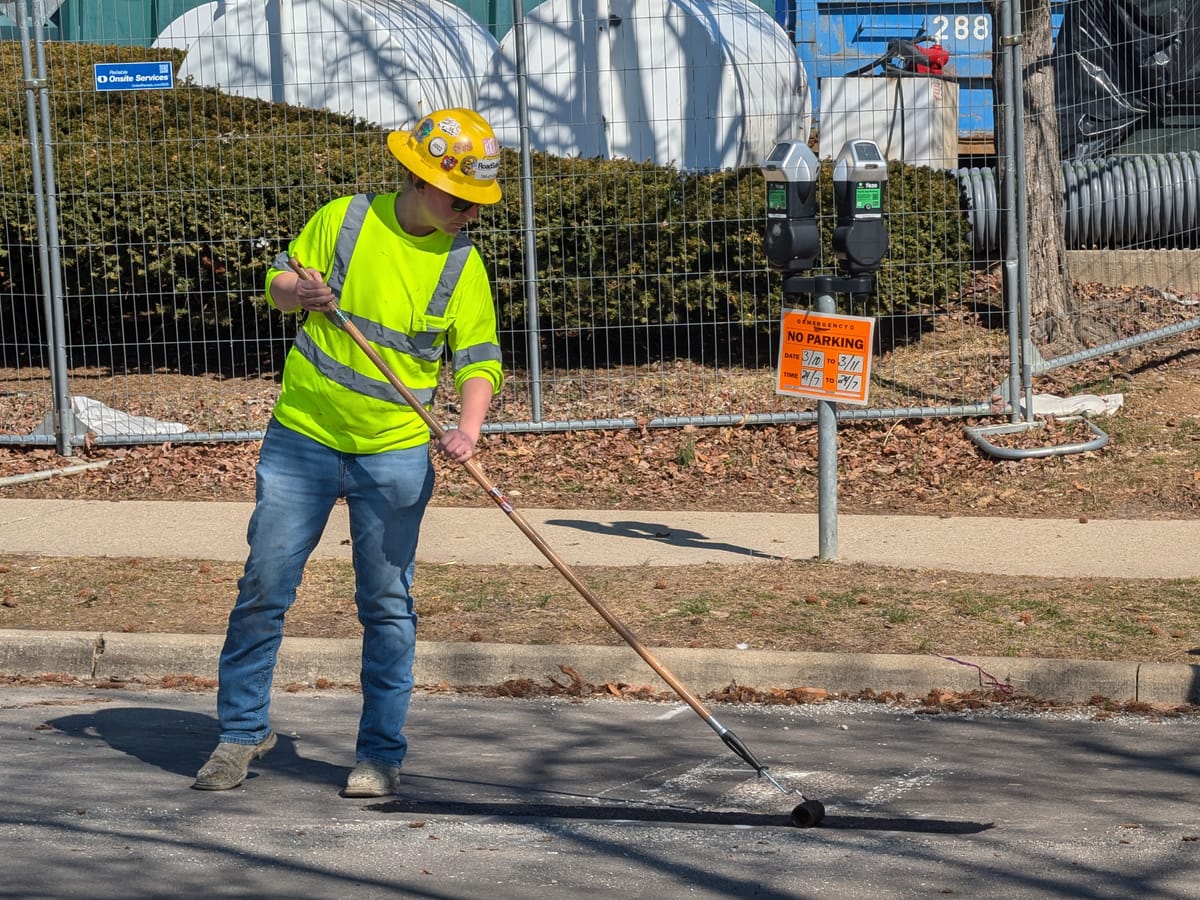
(179, 742)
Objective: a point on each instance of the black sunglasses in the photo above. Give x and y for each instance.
(460, 206)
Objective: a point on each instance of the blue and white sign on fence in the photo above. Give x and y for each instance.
(136, 76)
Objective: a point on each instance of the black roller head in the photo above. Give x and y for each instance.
(808, 814)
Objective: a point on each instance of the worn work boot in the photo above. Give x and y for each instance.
(371, 779)
(227, 766)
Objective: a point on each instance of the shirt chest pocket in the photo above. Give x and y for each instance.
(429, 334)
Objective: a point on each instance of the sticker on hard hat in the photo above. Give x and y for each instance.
(468, 165)
(449, 162)
(486, 169)
(425, 130)
(463, 146)
(437, 147)
(491, 147)
(451, 127)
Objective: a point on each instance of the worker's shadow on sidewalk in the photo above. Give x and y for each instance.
(661, 534)
(179, 742)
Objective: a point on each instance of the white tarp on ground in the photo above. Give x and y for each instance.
(388, 62)
(1076, 405)
(104, 421)
(698, 84)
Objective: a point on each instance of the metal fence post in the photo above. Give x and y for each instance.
(533, 338)
(1020, 206)
(45, 199)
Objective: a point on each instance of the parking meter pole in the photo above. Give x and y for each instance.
(793, 244)
(827, 450)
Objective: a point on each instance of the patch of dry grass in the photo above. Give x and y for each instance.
(777, 605)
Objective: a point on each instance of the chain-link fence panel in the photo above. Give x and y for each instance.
(188, 142)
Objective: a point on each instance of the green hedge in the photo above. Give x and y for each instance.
(173, 203)
(633, 243)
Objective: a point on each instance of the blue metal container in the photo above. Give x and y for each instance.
(836, 37)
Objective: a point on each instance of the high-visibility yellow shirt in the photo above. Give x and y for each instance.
(388, 285)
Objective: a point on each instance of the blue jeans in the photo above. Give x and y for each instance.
(297, 483)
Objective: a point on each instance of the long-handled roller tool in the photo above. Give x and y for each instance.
(807, 813)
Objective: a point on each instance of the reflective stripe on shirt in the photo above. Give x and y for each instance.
(342, 374)
(476, 354)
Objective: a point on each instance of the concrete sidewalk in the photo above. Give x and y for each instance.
(1034, 547)
(1115, 548)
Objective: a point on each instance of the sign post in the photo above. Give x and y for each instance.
(827, 357)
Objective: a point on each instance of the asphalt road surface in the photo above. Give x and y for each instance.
(508, 798)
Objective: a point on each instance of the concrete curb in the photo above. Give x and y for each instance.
(103, 657)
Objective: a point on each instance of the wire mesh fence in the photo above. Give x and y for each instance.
(156, 155)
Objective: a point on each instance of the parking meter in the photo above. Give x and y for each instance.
(793, 241)
(860, 239)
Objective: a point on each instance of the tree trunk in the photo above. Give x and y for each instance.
(1053, 317)
(1049, 284)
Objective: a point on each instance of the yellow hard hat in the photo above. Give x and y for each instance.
(452, 149)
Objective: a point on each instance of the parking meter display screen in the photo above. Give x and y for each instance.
(779, 152)
(867, 151)
(776, 197)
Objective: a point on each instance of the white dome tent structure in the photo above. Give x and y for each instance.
(700, 85)
(387, 62)
(183, 31)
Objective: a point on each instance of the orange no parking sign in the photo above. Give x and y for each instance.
(825, 356)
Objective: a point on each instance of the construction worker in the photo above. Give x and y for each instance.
(400, 266)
